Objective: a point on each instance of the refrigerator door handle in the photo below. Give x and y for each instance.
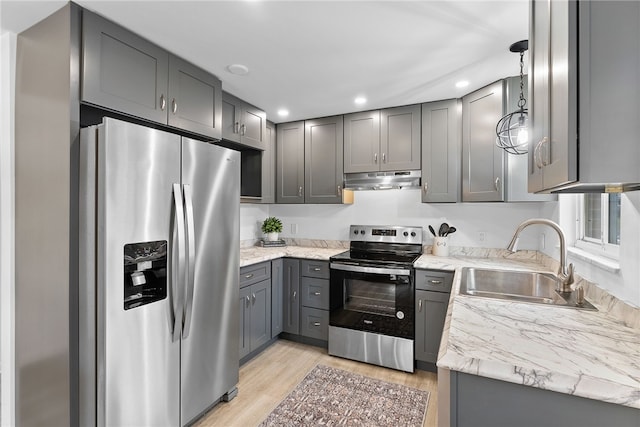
(178, 273)
(191, 260)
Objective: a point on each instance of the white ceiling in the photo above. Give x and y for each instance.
(314, 57)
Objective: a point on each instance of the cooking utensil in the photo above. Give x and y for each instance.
(451, 231)
(433, 231)
(443, 229)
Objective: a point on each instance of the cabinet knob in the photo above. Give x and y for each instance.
(497, 183)
(316, 294)
(174, 106)
(248, 300)
(316, 269)
(248, 276)
(435, 282)
(339, 190)
(375, 157)
(425, 187)
(236, 128)
(384, 157)
(300, 191)
(253, 297)
(316, 323)
(419, 306)
(243, 129)
(295, 294)
(163, 102)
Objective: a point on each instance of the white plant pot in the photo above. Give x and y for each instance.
(272, 237)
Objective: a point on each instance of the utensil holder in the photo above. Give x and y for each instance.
(440, 246)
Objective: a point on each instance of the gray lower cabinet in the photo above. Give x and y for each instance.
(314, 299)
(482, 160)
(323, 160)
(480, 401)
(291, 295)
(441, 142)
(433, 288)
(290, 162)
(277, 297)
(128, 74)
(269, 166)
(255, 307)
(243, 123)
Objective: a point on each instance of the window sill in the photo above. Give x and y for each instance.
(604, 263)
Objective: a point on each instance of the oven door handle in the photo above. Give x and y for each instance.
(372, 270)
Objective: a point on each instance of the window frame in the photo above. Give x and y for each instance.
(601, 246)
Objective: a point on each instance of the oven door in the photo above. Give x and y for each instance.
(372, 299)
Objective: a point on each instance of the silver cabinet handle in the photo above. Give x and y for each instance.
(420, 306)
(300, 191)
(248, 300)
(497, 183)
(163, 102)
(384, 157)
(537, 156)
(243, 129)
(236, 128)
(339, 190)
(316, 294)
(316, 269)
(253, 298)
(295, 294)
(174, 106)
(425, 187)
(316, 323)
(248, 276)
(435, 282)
(375, 157)
(546, 153)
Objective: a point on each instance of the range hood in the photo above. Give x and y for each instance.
(382, 180)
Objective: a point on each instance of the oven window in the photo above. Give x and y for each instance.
(367, 296)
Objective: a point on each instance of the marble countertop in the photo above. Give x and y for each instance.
(583, 353)
(256, 254)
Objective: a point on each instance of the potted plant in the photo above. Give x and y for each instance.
(271, 227)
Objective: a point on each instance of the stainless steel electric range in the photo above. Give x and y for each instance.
(372, 296)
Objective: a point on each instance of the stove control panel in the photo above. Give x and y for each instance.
(386, 233)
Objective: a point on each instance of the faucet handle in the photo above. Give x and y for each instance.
(567, 278)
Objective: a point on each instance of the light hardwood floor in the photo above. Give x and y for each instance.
(269, 377)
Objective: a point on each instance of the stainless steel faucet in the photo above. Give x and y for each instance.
(565, 273)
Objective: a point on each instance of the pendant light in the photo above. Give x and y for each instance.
(512, 129)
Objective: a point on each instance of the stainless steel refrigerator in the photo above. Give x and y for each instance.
(159, 248)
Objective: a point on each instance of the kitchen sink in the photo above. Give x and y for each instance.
(523, 286)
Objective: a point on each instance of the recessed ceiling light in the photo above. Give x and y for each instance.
(462, 83)
(238, 69)
(283, 112)
(360, 100)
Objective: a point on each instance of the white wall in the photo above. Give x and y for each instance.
(7, 96)
(251, 217)
(403, 207)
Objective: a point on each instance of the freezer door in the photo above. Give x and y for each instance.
(138, 360)
(210, 354)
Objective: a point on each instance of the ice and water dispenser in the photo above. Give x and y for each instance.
(145, 273)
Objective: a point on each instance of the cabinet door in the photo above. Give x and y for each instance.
(291, 289)
(245, 321)
(277, 297)
(260, 313)
(314, 323)
(290, 162)
(441, 141)
(314, 293)
(482, 160)
(269, 166)
(123, 72)
(253, 128)
(323, 160)
(431, 310)
(400, 138)
(195, 99)
(362, 142)
(231, 116)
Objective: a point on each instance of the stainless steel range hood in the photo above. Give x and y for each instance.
(382, 180)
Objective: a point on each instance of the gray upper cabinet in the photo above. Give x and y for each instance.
(362, 142)
(196, 99)
(382, 140)
(290, 162)
(269, 166)
(127, 74)
(584, 68)
(243, 123)
(123, 72)
(482, 160)
(400, 138)
(441, 141)
(323, 164)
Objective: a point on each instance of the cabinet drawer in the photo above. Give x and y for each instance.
(314, 323)
(315, 293)
(434, 280)
(319, 269)
(255, 273)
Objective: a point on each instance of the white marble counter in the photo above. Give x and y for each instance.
(256, 254)
(583, 353)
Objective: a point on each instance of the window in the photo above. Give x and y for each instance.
(599, 224)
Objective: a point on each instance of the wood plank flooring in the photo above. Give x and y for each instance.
(269, 377)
